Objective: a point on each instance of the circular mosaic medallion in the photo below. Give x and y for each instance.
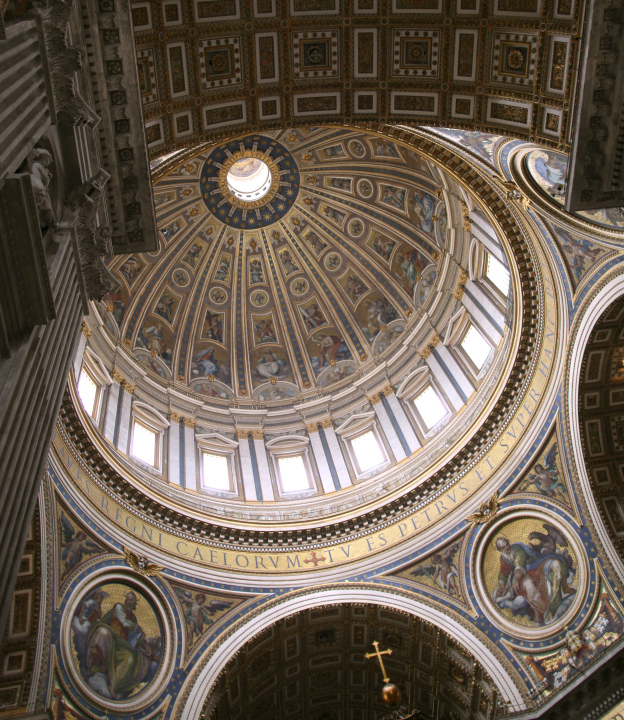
(299, 286)
(234, 167)
(333, 261)
(356, 147)
(117, 640)
(180, 277)
(365, 188)
(356, 227)
(259, 298)
(218, 295)
(530, 572)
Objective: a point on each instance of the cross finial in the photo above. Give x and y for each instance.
(378, 653)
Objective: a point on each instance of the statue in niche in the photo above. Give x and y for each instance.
(38, 162)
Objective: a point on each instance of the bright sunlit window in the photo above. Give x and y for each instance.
(430, 407)
(293, 474)
(367, 451)
(498, 274)
(88, 391)
(144, 443)
(476, 347)
(216, 472)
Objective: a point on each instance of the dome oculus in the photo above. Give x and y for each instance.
(249, 179)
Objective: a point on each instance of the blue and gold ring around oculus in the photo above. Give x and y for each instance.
(237, 213)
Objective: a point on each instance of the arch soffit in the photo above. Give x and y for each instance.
(198, 685)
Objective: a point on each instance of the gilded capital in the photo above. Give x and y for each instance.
(327, 423)
(311, 428)
(387, 390)
(85, 329)
(189, 422)
(129, 387)
(117, 377)
(257, 434)
(375, 398)
(175, 417)
(242, 434)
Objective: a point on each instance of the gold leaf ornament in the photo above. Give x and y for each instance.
(141, 564)
(487, 511)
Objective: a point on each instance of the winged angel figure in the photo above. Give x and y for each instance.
(75, 544)
(142, 564)
(545, 477)
(442, 570)
(198, 612)
(487, 511)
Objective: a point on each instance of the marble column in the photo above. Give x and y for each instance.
(323, 458)
(387, 427)
(251, 490)
(333, 444)
(124, 418)
(175, 458)
(190, 462)
(262, 462)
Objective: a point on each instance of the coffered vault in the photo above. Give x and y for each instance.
(209, 67)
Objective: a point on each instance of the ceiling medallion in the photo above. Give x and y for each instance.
(250, 183)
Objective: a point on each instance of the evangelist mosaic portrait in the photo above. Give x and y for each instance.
(116, 641)
(530, 572)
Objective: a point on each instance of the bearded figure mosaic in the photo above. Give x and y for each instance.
(117, 640)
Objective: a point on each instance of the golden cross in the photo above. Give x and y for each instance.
(378, 653)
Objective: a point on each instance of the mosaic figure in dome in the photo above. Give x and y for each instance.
(535, 575)
(288, 262)
(312, 316)
(210, 390)
(580, 252)
(299, 286)
(130, 269)
(115, 305)
(315, 242)
(410, 264)
(379, 311)
(199, 613)
(213, 326)
(426, 285)
(356, 227)
(383, 246)
(480, 143)
(389, 336)
(180, 277)
(385, 148)
(552, 170)
(194, 253)
(256, 271)
(340, 183)
(259, 298)
(334, 151)
(162, 198)
(117, 641)
(276, 393)
(171, 230)
(394, 196)
(265, 330)
(354, 286)
(424, 205)
(442, 570)
(337, 374)
(269, 365)
(331, 349)
(150, 363)
(76, 545)
(218, 296)
(165, 307)
(333, 214)
(152, 338)
(223, 269)
(209, 361)
(365, 188)
(332, 262)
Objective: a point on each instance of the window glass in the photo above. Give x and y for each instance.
(216, 472)
(476, 347)
(430, 407)
(293, 473)
(498, 274)
(367, 451)
(144, 444)
(87, 391)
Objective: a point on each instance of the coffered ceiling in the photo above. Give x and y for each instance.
(214, 67)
